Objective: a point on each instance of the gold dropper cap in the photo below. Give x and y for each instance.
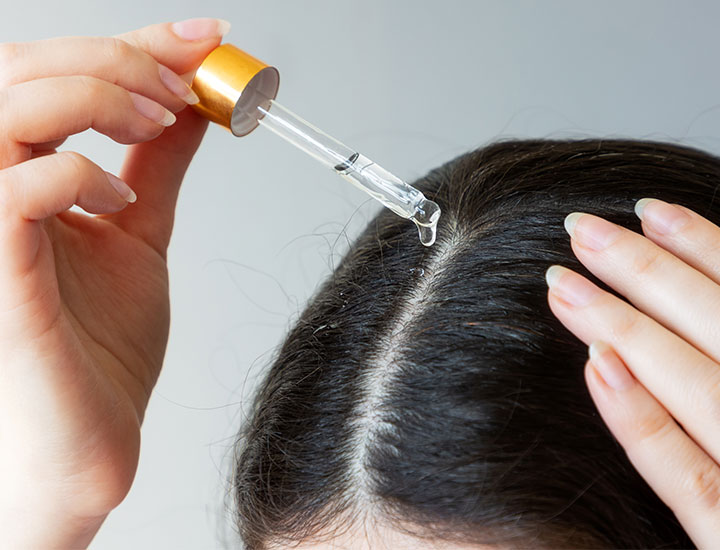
(231, 85)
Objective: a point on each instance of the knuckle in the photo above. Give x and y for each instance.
(627, 325)
(647, 262)
(74, 162)
(703, 487)
(94, 88)
(654, 426)
(7, 51)
(117, 51)
(121, 55)
(10, 52)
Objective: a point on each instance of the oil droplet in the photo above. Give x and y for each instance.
(427, 214)
(427, 235)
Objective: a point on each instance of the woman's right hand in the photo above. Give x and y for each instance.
(84, 311)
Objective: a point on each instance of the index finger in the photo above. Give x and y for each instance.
(181, 46)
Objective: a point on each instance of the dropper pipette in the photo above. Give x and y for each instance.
(238, 91)
(391, 191)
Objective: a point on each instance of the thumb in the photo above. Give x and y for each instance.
(155, 170)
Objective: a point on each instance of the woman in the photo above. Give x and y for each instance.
(426, 398)
(430, 396)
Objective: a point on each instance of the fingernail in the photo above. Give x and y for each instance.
(121, 187)
(661, 216)
(152, 110)
(570, 287)
(610, 367)
(591, 231)
(177, 85)
(201, 28)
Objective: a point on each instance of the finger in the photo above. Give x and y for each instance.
(52, 108)
(683, 379)
(681, 474)
(155, 170)
(109, 59)
(29, 192)
(650, 276)
(682, 232)
(43, 187)
(181, 46)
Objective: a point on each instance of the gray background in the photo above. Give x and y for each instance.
(411, 84)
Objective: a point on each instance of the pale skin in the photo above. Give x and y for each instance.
(84, 310)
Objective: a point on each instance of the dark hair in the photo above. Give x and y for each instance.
(432, 388)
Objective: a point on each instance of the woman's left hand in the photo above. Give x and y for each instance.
(666, 414)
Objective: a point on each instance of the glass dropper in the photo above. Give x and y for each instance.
(238, 91)
(391, 191)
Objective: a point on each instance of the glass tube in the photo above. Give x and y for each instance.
(391, 191)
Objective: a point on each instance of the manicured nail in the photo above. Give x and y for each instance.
(570, 287)
(201, 28)
(121, 187)
(177, 86)
(152, 110)
(610, 367)
(591, 231)
(662, 217)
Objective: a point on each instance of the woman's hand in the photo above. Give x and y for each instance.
(84, 312)
(666, 414)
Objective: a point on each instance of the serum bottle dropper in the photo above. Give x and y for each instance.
(238, 92)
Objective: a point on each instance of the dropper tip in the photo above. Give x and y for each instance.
(427, 214)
